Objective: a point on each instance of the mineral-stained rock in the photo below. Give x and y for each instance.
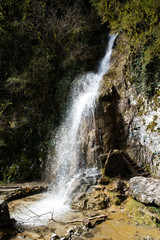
(5, 220)
(145, 190)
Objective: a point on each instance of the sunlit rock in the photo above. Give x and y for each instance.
(145, 190)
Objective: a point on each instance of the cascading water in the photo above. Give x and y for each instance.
(84, 94)
(67, 159)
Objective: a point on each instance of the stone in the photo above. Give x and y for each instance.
(145, 190)
(5, 220)
(54, 237)
(82, 184)
(80, 196)
(95, 200)
(148, 238)
(71, 231)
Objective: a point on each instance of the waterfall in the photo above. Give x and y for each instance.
(66, 160)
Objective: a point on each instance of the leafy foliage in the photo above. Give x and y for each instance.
(44, 44)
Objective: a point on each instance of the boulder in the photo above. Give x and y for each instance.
(145, 190)
(95, 200)
(81, 183)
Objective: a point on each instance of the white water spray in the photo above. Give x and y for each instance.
(84, 94)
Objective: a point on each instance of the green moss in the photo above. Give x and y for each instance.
(154, 210)
(141, 214)
(152, 125)
(140, 106)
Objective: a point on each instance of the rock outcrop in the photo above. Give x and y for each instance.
(137, 119)
(124, 119)
(5, 220)
(101, 196)
(145, 190)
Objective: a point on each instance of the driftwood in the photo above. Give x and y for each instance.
(35, 215)
(88, 219)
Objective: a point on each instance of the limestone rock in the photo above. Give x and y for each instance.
(145, 190)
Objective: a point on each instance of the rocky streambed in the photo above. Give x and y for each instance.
(106, 211)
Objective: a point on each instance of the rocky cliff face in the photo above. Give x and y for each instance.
(133, 119)
(124, 118)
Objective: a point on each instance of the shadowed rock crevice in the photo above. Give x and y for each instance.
(110, 121)
(117, 163)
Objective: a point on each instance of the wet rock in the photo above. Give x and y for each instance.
(95, 200)
(101, 196)
(54, 237)
(82, 184)
(5, 220)
(145, 190)
(73, 233)
(80, 196)
(128, 119)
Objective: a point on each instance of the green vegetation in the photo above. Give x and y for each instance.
(142, 215)
(139, 22)
(44, 44)
(151, 126)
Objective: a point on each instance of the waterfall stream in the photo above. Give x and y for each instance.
(66, 159)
